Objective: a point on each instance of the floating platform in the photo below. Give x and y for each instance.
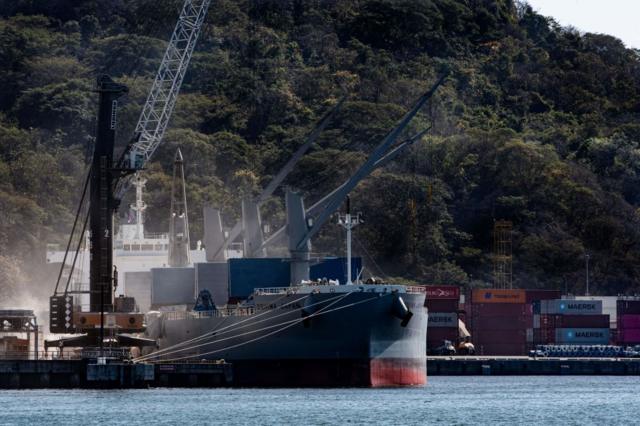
(42, 374)
(525, 366)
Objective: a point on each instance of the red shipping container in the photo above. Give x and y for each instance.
(513, 349)
(625, 307)
(628, 321)
(446, 292)
(534, 295)
(502, 323)
(630, 335)
(499, 336)
(442, 305)
(574, 321)
(544, 336)
(501, 309)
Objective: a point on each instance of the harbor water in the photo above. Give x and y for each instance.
(446, 400)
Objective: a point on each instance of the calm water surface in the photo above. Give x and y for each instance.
(446, 400)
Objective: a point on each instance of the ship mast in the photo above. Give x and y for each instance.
(349, 222)
(140, 206)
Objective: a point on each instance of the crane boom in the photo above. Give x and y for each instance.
(316, 208)
(333, 204)
(284, 172)
(161, 100)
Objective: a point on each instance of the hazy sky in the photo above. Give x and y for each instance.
(619, 18)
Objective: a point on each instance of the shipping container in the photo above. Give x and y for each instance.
(335, 268)
(535, 307)
(625, 307)
(608, 305)
(536, 320)
(529, 335)
(628, 321)
(498, 336)
(502, 322)
(592, 336)
(445, 292)
(504, 349)
(629, 336)
(500, 309)
(441, 305)
(571, 306)
(214, 277)
(435, 336)
(172, 286)
(443, 319)
(574, 321)
(544, 335)
(247, 274)
(537, 295)
(496, 295)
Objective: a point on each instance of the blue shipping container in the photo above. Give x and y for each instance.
(248, 274)
(592, 336)
(335, 268)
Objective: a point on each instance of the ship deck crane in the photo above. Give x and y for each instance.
(302, 226)
(249, 226)
(107, 183)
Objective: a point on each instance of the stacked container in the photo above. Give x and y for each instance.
(533, 298)
(628, 322)
(442, 304)
(570, 321)
(499, 321)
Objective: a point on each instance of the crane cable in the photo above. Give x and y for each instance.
(321, 312)
(73, 230)
(226, 330)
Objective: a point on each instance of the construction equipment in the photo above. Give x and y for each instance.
(158, 108)
(107, 183)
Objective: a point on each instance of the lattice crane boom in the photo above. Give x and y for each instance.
(161, 100)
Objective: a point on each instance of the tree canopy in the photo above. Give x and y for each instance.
(537, 124)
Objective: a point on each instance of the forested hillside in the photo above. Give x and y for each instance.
(537, 124)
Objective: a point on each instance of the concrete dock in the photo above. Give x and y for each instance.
(514, 366)
(32, 374)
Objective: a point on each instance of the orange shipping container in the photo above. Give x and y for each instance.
(495, 295)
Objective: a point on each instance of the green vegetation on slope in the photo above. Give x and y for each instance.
(537, 124)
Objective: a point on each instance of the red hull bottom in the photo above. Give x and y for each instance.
(381, 372)
(388, 372)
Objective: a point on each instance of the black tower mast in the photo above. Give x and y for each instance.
(102, 201)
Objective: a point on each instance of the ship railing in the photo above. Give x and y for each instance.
(416, 289)
(275, 290)
(218, 313)
(39, 355)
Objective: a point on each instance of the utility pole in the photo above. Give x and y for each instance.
(586, 261)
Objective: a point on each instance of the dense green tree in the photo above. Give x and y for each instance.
(537, 124)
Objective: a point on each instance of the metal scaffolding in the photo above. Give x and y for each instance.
(502, 254)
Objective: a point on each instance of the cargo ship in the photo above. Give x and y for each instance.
(367, 335)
